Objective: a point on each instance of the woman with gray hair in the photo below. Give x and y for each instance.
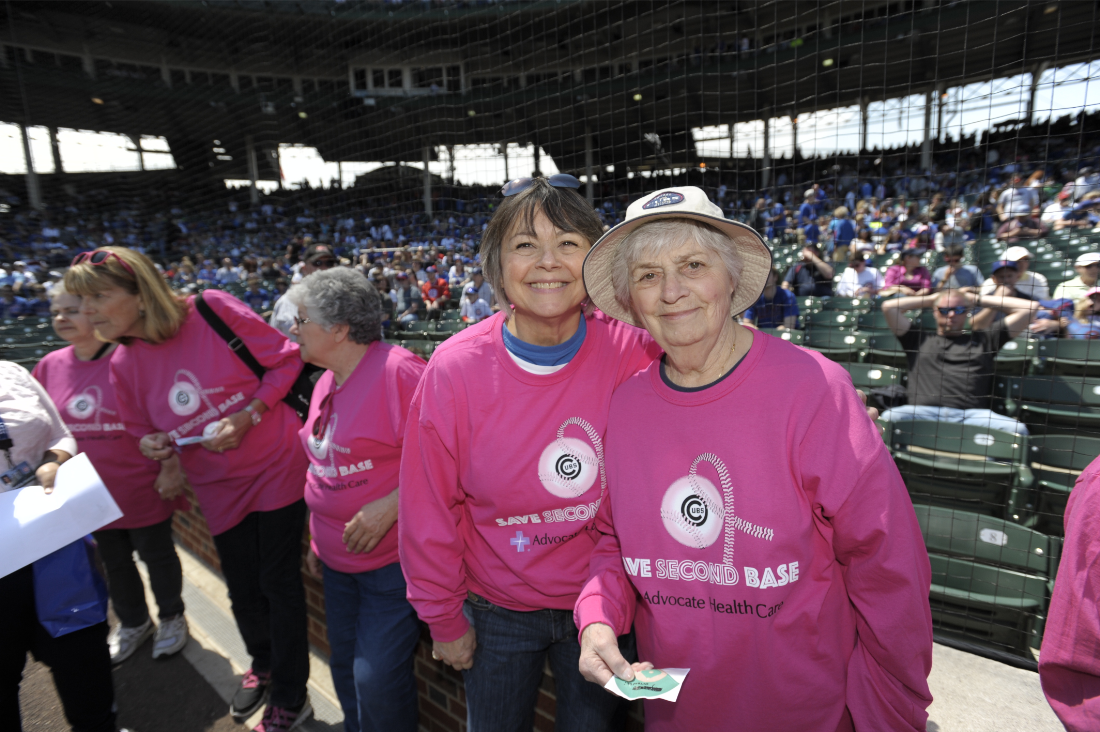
(353, 437)
(782, 562)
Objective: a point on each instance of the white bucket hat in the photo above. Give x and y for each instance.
(688, 202)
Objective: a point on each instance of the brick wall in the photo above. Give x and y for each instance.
(440, 689)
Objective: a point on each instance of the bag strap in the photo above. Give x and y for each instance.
(232, 339)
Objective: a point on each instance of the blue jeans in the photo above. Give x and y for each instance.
(976, 417)
(512, 649)
(372, 634)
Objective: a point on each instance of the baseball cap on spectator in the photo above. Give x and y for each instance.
(1002, 264)
(402, 276)
(471, 290)
(1092, 291)
(809, 193)
(1086, 259)
(475, 270)
(1015, 254)
(431, 268)
(317, 251)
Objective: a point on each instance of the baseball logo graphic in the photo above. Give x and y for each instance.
(82, 406)
(694, 512)
(568, 467)
(184, 398)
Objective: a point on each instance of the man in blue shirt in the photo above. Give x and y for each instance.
(776, 308)
(10, 305)
(843, 232)
(806, 213)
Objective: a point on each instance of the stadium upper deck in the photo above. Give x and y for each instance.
(584, 80)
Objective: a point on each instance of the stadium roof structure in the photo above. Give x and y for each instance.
(387, 82)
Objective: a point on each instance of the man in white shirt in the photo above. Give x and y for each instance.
(860, 279)
(1017, 198)
(473, 310)
(1088, 269)
(1031, 285)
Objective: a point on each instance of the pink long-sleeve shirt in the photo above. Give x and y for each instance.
(181, 385)
(758, 533)
(357, 457)
(84, 397)
(502, 472)
(1069, 665)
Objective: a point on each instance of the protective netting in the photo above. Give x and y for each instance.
(248, 130)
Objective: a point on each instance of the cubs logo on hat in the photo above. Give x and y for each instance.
(687, 202)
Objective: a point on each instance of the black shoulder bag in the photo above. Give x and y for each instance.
(300, 392)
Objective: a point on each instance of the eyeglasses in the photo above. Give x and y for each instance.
(99, 257)
(301, 321)
(957, 310)
(324, 263)
(558, 180)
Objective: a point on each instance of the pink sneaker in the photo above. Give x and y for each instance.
(251, 695)
(278, 719)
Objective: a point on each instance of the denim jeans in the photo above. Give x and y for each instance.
(154, 546)
(372, 634)
(79, 661)
(976, 417)
(512, 649)
(262, 561)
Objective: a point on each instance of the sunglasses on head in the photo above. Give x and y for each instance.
(324, 263)
(559, 180)
(957, 310)
(99, 257)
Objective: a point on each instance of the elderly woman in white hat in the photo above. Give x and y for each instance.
(757, 531)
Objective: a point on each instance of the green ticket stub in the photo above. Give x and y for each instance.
(647, 684)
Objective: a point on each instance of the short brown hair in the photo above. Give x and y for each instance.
(564, 207)
(164, 311)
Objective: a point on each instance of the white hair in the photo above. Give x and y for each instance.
(648, 239)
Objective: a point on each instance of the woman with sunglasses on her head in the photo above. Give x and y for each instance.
(176, 380)
(77, 379)
(353, 438)
(502, 470)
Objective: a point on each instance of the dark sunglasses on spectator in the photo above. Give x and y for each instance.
(559, 180)
(98, 257)
(324, 263)
(322, 415)
(957, 310)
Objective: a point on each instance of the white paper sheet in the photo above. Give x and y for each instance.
(657, 683)
(34, 524)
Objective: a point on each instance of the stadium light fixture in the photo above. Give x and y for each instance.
(827, 63)
(97, 100)
(637, 97)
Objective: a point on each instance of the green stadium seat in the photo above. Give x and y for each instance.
(868, 376)
(1066, 356)
(996, 606)
(1067, 401)
(421, 326)
(857, 304)
(963, 466)
(873, 322)
(807, 305)
(832, 319)
(420, 348)
(794, 336)
(1015, 357)
(451, 315)
(1056, 461)
(884, 348)
(988, 540)
(838, 345)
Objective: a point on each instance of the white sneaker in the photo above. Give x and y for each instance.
(123, 641)
(171, 636)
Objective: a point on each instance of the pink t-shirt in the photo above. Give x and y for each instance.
(920, 279)
(358, 457)
(1069, 666)
(502, 472)
(193, 379)
(83, 394)
(759, 533)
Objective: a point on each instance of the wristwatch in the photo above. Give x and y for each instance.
(256, 416)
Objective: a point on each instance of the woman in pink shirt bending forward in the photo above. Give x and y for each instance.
(77, 379)
(757, 531)
(502, 470)
(176, 379)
